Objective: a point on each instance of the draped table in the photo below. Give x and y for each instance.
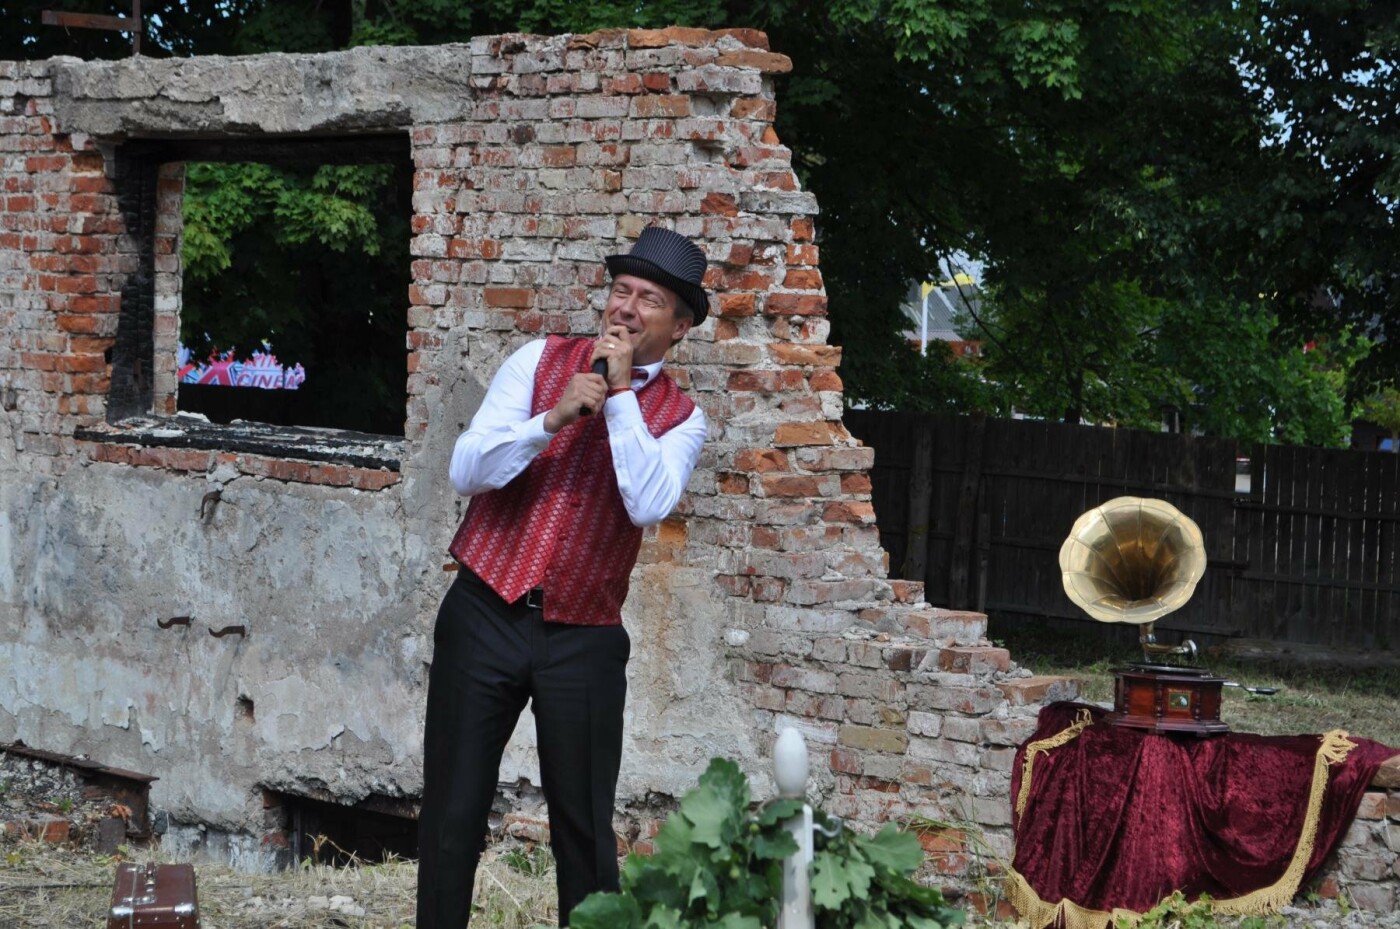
(1109, 821)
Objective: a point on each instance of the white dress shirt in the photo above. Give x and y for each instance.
(504, 438)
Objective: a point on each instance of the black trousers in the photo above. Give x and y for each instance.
(489, 659)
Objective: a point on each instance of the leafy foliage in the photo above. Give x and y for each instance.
(313, 260)
(718, 864)
(1383, 409)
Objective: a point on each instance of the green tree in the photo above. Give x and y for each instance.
(1383, 409)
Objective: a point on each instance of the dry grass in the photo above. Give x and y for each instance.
(43, 886)
(1309, 699)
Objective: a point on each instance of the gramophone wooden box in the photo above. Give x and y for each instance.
(1166, 698)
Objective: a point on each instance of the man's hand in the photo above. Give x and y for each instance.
(615, 347)
(583, 390)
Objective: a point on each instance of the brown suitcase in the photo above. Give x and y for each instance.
(154, 896)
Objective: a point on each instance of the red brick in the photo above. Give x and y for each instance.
(776, 180)
(745, 278)
(820, 432)
(623, 84)
(102, 303)
(824, 355)
(856, 512)
(789, 485)
(737, 304)
(560, 156)
(733, 584)
(750, 38)
(753, 108)
(1027, 690)
(855, 484)
(766, 537)
(761, 460)
(826, 380)
(661, 106)
(794, 304)
(509, 296)
(759, 381)
(42, 163)
(721, 204)
(365, 479)
(739, 255)
(660, 38)
(971, 659)
(730, 483)
(907, 591)
(88, 364)
(473, 248)
(803, 279)
(846, 761)
(766, 62)
(90, 163)
(725, 329)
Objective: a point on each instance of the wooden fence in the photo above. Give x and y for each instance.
(1301, 543)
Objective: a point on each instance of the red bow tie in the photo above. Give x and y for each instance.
(639, 374)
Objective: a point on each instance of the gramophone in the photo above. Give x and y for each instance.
(1134, 560)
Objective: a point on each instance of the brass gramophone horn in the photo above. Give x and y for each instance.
(1133, 560)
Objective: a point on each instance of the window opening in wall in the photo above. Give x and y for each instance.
(294, 293)
(375, 829)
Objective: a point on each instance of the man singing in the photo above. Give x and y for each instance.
(564, 466)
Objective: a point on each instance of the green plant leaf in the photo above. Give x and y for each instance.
(893, 849)
(775, 845)
(835, 880)
(606, 911)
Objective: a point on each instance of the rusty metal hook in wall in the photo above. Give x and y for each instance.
(241, 631)
(207, 502)
(174, 621)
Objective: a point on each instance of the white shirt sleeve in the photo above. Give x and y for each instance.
(503, 437)
(651, 472)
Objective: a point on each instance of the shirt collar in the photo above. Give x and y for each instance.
(652, 371)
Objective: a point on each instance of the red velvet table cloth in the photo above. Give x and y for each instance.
(1110, 820)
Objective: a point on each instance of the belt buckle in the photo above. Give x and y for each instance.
(534, 598)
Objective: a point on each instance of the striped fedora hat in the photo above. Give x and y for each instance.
(671, 260)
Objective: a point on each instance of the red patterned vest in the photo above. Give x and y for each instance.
(560, 524)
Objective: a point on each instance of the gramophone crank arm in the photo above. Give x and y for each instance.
(1262, 691)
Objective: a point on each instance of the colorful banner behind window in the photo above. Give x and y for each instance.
(222, 370)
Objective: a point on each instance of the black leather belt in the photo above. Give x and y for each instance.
(533, 598)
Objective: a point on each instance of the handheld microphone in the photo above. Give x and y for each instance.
(600, 368)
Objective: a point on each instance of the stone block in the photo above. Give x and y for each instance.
(962, 729)
(974, 659)
(1373, 805)
(1373, 898)
(929, 725)
(1010, 731)
(1041, 689)
(868, 738)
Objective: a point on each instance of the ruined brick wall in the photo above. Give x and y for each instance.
(762, 603)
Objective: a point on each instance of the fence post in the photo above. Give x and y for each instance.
(790, 774)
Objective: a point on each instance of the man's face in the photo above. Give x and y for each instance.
(648, 311)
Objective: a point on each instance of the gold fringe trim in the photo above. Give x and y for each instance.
(1039, 913)
(1081, 722)
(1334, 750)
(1335, 747)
